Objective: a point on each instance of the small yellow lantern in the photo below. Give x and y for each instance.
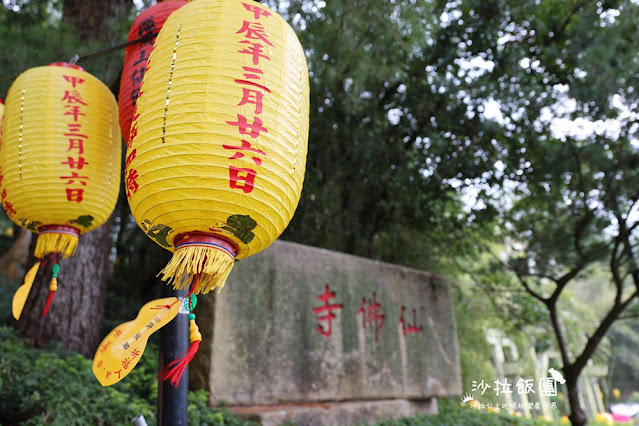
(60, 159)
(216, 161)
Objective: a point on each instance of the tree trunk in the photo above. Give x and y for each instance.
(93, 18)
(13, 262)
(75, 315)
(577, 414)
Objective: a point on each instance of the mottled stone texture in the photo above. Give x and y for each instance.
(268, 341)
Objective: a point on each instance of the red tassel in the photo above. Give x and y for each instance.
(49, 299)
(175, 370)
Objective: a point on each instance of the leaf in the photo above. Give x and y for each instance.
(85, 220)
(241, 226)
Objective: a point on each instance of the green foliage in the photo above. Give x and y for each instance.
(58, 387)
(7, 288)
(472, 321)
(451, 414)
(625, 358)
(33, 34)
(41, 37)
(201, 414)
(384, 146)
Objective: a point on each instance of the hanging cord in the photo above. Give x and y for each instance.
(112, 49)
(174, 371)
(45, 260)
(77, 58)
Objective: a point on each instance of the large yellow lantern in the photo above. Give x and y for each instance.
(216, 161)
(60, 159)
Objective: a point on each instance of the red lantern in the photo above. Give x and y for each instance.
(148, 23)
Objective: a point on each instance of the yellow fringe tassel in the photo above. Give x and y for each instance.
(53, 242)
(213, 265)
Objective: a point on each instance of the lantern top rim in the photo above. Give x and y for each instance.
(66, 65)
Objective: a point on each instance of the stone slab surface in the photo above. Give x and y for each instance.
(299, 324)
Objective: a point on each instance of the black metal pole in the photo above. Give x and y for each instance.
(174, 341)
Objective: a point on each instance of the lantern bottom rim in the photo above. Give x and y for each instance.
(61, 239)
(200, 261)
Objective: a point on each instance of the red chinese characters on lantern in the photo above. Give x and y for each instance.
(130, 182)
(147, 29)
(246, 146)
(75, 177)
(408, 328)
(130, 158)
(8, 207)
(245, 128)
(134, 127)
(252, 91)
(131, 175)
(257, 11)
(325, 312)
(73, 107)
(371, 315)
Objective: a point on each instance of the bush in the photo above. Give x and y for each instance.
(58, 387)
(8, 288)
(451, 414)
(201, 414)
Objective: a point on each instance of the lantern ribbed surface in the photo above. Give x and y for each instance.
(61, 154)
(147, 23)
(220, 138)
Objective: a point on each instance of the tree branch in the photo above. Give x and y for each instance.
(564, 280)
(629, 316)
(604, 325)
(559, 334)
(581, 225)
(529, 289)
(615, 259)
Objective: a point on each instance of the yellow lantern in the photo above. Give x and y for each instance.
(215, 165)
(60, 159)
